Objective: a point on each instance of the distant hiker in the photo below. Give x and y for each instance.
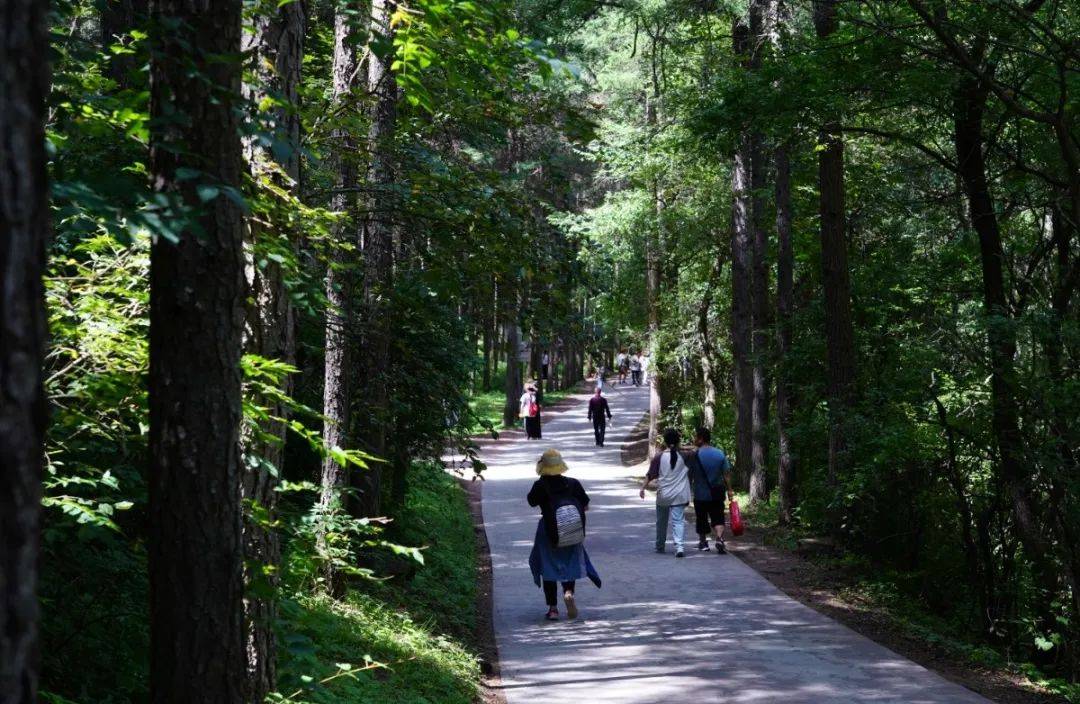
(599, 414)
(669, 470)
(558, 552)
(530, 411)
(601, 374)
(622, 364)
(635, 369)
(710, 473)
(544, 363)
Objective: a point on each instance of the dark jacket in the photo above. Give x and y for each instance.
(598, 407)
(545, 489)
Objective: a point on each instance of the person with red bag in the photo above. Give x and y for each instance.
(530, 411)
(710, 474)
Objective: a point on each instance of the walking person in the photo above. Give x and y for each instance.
(530, 410)
(544, 364)
(558, 554)
(635, 369)
(670, 472)
(599, 414)
(710, 474)
(622, 363)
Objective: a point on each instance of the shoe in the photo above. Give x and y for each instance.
(552, 614)
(660, 550)
(703, 545)
(571, 607)
(680, 554)
(721, 548)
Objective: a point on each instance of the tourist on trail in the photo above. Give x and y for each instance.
(669, 470)
(544, 362)
(530, 411)
(622, 364)
(710, 474)
(558, 553)
(599, 414)
(635, 369)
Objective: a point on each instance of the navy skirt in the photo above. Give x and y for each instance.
(552, 564)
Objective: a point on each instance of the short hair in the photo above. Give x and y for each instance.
(704, 434)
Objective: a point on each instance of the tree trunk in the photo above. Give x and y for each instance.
(339, 293)
(761, 318)
(513, 371)
(970, 103)
(742, 377)
(118, 18)
(785, 294)
(25, 228)
(276, 40)
(708, 379)
(378, 251)
(488, 334)
(839, 333)
(653, 242)
(197, 292)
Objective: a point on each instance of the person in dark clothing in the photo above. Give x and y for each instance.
(548, 562)
(599, 414)
(710, 475)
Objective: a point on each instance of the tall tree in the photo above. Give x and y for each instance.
(839, 332)
(785, 293)
(25, 227)
(761, 317)
(378, 243)
(337, 416)
(654, 237)
(274, 41)
(196, 322)
(741, 299)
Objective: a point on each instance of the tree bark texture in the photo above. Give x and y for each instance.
(653, 243)
(785, 295)
(339, 291)
(741, 297)
(378, 250)
(761, 318)
(25, 228)
(513, 369)
(839, 331)
(708, 373)
(196, 321)
(275, 41)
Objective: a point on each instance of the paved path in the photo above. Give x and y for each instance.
(703, 629)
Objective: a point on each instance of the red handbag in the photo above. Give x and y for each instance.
(736, 519)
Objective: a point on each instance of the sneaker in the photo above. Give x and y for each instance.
(571, 607)
(721, 548)
(660, 550)
(703, 545)
(680, 554)
(552, 614)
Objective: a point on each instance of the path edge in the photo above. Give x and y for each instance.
(486, 645)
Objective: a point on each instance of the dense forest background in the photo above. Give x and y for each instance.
(288, 254)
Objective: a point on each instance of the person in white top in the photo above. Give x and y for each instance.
(529, 409)
(622, 366)
(672, 475)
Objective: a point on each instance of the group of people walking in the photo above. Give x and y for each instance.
(634, 365)
(558, 558)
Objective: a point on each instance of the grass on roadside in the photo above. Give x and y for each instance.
(419, 624)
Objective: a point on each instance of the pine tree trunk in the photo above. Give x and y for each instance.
(276, 40)
(339, 292)
(513, 370)
(761, 318)
(653, 240)
(785, 294)
(970, 103)
(197, 296)
(378, 254)
(839, 332)
(708, 375)
(741, 303)
(25, 229)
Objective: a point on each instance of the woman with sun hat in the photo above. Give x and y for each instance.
(558, 553)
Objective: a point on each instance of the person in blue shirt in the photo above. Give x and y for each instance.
(711, 476)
